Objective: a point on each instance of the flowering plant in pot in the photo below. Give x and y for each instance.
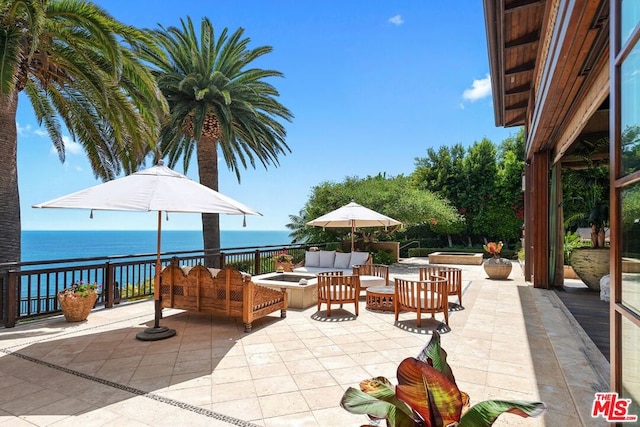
(77, 300)
(496, 267)
(283, 261)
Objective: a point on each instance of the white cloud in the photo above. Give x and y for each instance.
(396, 20)
(479, 89)
(40, 132)
(22, 130)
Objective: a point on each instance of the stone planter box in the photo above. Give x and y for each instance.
(455, 258)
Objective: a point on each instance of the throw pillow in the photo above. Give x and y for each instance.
(342, 260)
(312, 259)
(359, 258)
(327, 258)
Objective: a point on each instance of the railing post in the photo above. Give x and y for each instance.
(223, 259)
(12, 300)
(108, 285)
(257, 262)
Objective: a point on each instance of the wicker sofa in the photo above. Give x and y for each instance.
(223, 292)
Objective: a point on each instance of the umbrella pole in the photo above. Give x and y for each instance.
(353, 230)
(157, 332)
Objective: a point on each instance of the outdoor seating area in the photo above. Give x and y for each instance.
(225, 292)
(511, 341)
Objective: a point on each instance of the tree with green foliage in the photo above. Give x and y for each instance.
(75, 64)
(480, 171)
(504, 213)
(219, 102)
(482, 182)
(395, 197)
(440, 172)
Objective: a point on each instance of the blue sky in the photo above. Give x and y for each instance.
(372, 85)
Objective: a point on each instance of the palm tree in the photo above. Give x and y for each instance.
(75, 64)
(298, 226)
(217, 102)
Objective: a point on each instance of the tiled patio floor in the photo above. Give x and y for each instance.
(510, 341)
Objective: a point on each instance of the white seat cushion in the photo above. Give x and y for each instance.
(426, 302)
(316, 270)
(369, 281)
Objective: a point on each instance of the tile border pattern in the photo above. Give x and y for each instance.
(137, 392)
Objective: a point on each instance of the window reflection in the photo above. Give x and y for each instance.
(630, 198)
(630, 108)
(631, 365)
(630, 15)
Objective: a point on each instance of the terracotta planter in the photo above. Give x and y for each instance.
(285, 266)
(76, 308)
(590, 264)
(497, 268)
(569, 273)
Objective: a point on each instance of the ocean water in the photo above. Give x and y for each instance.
(50, 245)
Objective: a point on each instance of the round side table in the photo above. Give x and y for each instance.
(380, 298)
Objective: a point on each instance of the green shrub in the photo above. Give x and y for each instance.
(245, 266)
(572, 241)
(384, 256)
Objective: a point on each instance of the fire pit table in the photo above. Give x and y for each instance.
(302, 289)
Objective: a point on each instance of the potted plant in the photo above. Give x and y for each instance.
(588, 194)
(427, 395)
(77, 301)
(497, 268)
(283, 261)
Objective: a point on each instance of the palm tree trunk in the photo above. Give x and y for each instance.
(207, 153)
(10, 205)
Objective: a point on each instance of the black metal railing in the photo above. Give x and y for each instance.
(29, 289)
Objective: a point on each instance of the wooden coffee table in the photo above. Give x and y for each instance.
(380, 298)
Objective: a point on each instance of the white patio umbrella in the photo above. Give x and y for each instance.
(155, 189)
(353, 216)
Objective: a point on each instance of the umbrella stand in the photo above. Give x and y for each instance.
(157, 332)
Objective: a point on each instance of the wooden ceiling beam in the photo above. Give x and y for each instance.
(518, 106)
(524, 40)
(519, 4)
(516, 121)
(519, 89)
(522, 68)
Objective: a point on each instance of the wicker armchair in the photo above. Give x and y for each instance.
(452, 274)
(425, 296)
(335, 288)
(372, 275)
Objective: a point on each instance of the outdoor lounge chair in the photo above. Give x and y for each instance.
(422, 296)
(336, 288)
(372, 275)
(452, 274)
